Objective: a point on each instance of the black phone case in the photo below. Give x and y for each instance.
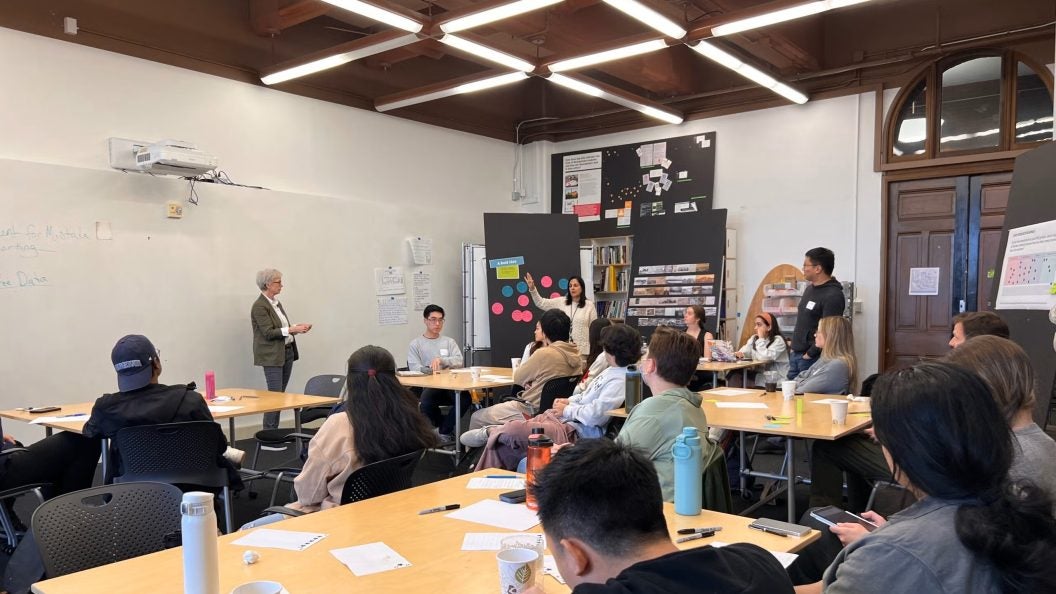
(518, 496)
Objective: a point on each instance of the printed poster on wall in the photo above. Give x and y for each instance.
(581, 194)
(1028, 274)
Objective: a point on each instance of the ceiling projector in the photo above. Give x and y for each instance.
(174, 157)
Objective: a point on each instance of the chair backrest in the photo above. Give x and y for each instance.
(381, 478)
(101, 525)
(325, 385)
(559, 387)
(176, 453)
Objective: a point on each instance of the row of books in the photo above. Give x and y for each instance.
(612, 309)
(610, 254)
(611, 280)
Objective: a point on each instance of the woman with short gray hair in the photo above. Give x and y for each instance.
(274, 347)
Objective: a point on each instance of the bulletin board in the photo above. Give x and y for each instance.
(544, 245)
(677, 263)
(611, 189)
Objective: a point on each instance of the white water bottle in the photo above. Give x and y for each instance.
(201, 567)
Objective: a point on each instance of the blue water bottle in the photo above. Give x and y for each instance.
(688, 472)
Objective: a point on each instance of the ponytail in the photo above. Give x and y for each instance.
(1016, 532)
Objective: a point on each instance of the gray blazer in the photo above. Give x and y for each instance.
(269, 345)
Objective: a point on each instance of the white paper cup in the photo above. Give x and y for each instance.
(533, 542)
(839, 412)
(258, 588)
(515, 363)
(516, 570)
(788, 389)
(475, 372)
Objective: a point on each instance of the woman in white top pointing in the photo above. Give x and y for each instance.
(575, 303)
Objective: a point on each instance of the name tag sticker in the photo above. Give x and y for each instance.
(810, 305)
(443, 352)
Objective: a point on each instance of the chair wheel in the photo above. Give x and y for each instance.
(746, 495)
(252, 494)
(7, 549)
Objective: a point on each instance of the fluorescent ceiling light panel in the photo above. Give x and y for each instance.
(491, 15)
(336, 60)
(780, 16)
(648, 16)
(608, 56)
(750, 72)
(589, 89)
(480, 85)
(378, 14)
(487, 53)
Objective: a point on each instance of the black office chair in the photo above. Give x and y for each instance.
(373, 480)
(320, 385)
(558, 387)
(12, 532)
(102, 525)
(182, 454)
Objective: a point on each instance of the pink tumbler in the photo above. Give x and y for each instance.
(210, 385)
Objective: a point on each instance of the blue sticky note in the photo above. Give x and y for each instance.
(522, 287)
(563, 283)
(507, 291)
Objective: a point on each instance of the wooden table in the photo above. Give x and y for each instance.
(815, 422)
(432, 543)
(459, 381)
(715, 367)
(249, 402)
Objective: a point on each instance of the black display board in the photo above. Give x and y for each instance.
(677, 262)
(1031, 202)
(597, 183)
(545, 245)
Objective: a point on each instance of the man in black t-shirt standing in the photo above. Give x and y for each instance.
(823, 297)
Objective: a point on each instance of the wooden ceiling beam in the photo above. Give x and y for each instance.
(764, 44)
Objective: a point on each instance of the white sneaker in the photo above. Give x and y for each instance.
(234, 455)
(475, 438)
(271, 448)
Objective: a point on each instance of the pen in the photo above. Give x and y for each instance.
(699, 530)
(247, 396)
(695, 536)
(768, 531)
(498, 476)
(439, 509)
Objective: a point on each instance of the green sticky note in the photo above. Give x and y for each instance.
(512, 272)
(1052, 289)
(990, 273)
(711, 400)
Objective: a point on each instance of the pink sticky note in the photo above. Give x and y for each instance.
(546, 281)
(516, 315)
(496, 308)
(526, 316)
(522, 301)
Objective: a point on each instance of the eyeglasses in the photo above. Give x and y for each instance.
(435, 320)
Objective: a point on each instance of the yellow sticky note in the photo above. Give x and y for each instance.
(511, 272)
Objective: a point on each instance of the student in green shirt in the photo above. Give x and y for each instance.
(667, 368)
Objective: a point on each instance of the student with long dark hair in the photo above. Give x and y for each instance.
(767, 344)
(577, 307)
(695, 318)
(973, 529)
(381, 421)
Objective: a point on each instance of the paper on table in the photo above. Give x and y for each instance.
(370, 558)
(492, 541)
(406, 373)
(60, 419)
(220, 409)
(731, 392)
(550, 568)
(785, 559)
(828, 401)
(511, 516)
(288, 540)
(496, 378)
(510, 484)
(740, 405)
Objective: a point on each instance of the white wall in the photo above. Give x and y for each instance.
(793, 178)
(61, 102)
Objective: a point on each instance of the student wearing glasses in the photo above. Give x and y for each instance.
(431, 353)
(822, 298)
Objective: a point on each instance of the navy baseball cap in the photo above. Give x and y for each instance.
(133, 358)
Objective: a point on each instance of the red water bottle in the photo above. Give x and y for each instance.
(538, 457)
(210, 385)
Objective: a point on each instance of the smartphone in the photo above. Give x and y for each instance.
(779, 527)
(517, 496)
(42, 409)
(832, 515)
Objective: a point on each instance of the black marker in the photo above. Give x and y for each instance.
(699, 530)
(695, 536)
(439, 509)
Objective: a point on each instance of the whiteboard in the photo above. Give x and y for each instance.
(188, 284)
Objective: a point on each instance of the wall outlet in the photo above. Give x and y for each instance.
(174, 210)
(857, 306)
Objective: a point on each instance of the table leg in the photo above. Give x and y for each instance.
(105, 459)
(744, 378)
(48, 431)
(231, 431)
(744, 462)
(790, 491)
(458, 426)
(714, 379)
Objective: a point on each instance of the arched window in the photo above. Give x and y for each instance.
(975, 103)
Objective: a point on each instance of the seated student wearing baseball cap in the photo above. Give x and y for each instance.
(601, 510)
(141, 400)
